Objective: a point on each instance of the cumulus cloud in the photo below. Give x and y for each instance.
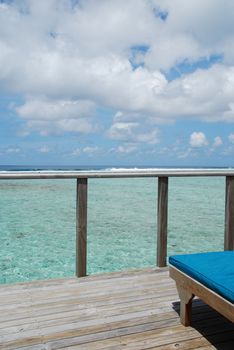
(130, 128)
(88, 150)
(13, 150)
(132, 131)
(126, 148)
(51, 116)
(91, 150)
(76, 152)
(44, 149)
(231, 138)
(198, 139)
(184, 153)
(66, 59)
(218, 141)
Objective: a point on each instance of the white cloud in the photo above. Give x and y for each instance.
(217, 141)
(231, 138)
(13, 150)
(88, 150)
(184, 153)
(134, 132)
(91, 150)
(45, 109)
(76, 152)
(3, 6)
(198, 139)
(121, 131)
(44, 149)
(126, 148)
(78, 56)
(172, 51)
(50, 116)
(228, 151)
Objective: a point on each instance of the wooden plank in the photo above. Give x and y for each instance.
(95, 293)
(106, 305)
(81, 227)
(131, 312)
(94, 285)
(143, 273)
(133, 339)
(162, 221)
(86, 325)
(229, 214)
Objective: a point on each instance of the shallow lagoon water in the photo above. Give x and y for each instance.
(37, 224)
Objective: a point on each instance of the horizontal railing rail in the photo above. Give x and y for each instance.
(113, 174)
(162, 205)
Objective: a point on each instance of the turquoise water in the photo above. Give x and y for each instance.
(37, 224)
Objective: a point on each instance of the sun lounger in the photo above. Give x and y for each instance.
(209, 276)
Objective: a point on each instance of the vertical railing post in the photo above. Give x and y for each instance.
(162, 221)
(81, 226)
(229, 214)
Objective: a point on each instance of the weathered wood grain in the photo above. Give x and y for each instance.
(81, 227)
(162, 221)
(229, 214)
(188, 287)
(119, 311)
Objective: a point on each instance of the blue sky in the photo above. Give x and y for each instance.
(137, 82)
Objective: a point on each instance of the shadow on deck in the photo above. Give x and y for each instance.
(136, 310)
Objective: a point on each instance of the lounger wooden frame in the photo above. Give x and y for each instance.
(188, 288)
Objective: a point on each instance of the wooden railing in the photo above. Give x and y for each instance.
(162, 207)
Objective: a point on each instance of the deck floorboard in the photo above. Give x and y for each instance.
(131, 310)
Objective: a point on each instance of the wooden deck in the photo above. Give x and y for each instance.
(132, 311)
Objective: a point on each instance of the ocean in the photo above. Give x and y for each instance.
(37, 223)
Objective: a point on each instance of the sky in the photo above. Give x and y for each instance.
(117, 82)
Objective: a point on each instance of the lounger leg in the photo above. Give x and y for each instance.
(186, 298)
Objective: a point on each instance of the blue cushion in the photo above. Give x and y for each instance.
(215, 270)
